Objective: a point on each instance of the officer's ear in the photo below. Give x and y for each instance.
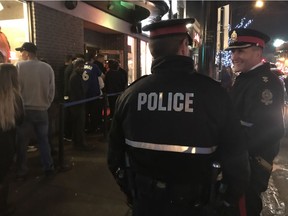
(258, 51)
(184, 47)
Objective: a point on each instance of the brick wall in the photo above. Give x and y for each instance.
(56, 34)
(93, 38)
(104, 41)
(114, 42)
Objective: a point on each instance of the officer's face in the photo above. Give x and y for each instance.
(244, 59)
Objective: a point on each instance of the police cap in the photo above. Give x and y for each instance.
(243, 38)
(167, 28)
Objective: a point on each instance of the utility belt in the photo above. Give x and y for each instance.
(174, 193)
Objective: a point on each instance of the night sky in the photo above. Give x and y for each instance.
(272, 19)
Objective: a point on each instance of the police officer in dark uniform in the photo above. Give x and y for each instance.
(168, 129)
(258, 96)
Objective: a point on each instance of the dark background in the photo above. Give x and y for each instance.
(272, 19)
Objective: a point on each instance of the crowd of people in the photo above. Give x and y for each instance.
(27, 90)
(87, 78)
(179, 143)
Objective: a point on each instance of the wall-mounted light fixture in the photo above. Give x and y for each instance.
(1, 7)
(127, 5)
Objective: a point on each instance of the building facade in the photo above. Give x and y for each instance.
(59, 28)
(58, 31)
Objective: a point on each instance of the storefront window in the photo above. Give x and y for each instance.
(146, 58)
(131, 42)
(14, 28)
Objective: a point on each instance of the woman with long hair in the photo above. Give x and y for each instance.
(11, 115)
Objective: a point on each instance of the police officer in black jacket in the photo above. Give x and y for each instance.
(168, 129)
(258, 95)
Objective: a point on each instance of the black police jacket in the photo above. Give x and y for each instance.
(174, 123)
(259, 98)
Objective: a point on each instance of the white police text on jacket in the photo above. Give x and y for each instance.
(160, 101)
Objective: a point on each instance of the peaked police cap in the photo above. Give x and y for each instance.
(166, 28)
(243, 38)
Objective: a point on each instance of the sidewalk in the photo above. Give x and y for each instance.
(275, 199)
(87, 189)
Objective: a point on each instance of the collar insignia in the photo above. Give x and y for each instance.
(265, 79)
(267, 97)
(234, 36)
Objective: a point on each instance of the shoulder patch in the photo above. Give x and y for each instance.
(267, 97)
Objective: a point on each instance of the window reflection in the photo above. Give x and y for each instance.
(14, 25)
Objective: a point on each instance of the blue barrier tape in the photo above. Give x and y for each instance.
(113, 94)
(69, 104)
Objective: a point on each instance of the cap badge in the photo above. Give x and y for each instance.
(234, 36)
(267, 97)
